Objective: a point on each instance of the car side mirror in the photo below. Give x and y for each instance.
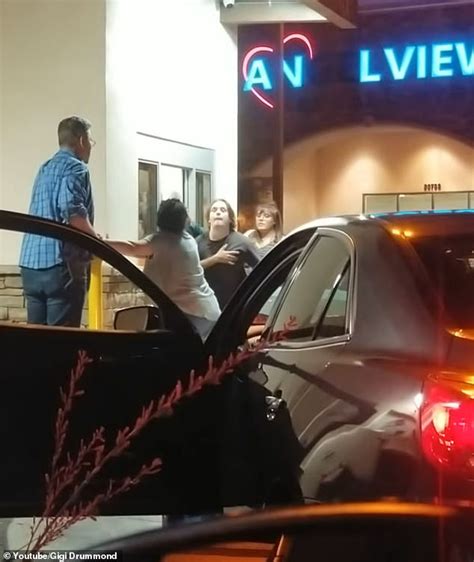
(137, 319)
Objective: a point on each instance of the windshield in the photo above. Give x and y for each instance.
(449, 261)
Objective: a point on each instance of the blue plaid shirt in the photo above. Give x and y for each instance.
(62, 189)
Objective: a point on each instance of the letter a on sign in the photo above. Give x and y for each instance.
(258, 76)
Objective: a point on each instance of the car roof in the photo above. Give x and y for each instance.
(411, 223)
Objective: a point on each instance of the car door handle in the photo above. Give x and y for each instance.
(274, 403)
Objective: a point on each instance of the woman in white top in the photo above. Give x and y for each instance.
(173, 264)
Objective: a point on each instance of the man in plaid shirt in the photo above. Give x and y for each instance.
(55, 274)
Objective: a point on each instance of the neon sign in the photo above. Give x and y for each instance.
(257, 78)
(432, 60)
(439, 60)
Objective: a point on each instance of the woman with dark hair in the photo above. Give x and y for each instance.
(173, 264)
(224, 252)
(268, 229)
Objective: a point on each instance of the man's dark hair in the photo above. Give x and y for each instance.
(172, 216)
(71, 129)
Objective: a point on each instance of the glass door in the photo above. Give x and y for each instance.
(203, 197)
(147, 198)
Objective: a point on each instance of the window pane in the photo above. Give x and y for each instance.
(147, 206)
(267, 308)
(449, 261)
(203, 196)
(380, 203)
(415, 202)
(451, 200)
(172, 182)
(334, 322)
(309, 294)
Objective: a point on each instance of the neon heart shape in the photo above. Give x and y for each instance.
(266, 49)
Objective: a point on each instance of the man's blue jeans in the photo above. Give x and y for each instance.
(54, 296)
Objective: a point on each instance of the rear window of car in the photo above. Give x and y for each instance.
(449, 261)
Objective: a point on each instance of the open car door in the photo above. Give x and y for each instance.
(247, 442)
(129, 368)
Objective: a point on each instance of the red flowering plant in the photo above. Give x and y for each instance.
(71, 474)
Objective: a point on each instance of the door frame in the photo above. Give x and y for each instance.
(230, 330)
(346, 240)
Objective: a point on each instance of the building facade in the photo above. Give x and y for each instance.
(142, 72)
(377, 118)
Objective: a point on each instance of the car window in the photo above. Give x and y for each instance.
(267, 308)
(317, 296)
(23, 294)
(333, 321)
(449, 261)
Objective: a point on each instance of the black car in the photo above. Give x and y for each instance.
(369, 395)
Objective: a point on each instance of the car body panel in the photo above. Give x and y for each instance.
(128, 371)
(353, 406)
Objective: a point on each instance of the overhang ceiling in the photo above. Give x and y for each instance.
(341, 13)
(391, 5)
(241, 12)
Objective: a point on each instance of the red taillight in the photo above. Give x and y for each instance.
(447, 425)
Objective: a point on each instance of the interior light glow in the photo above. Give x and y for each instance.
(418, 400)
(440, 417)
(403, 233)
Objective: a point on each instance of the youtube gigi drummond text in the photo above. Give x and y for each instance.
(61, 555)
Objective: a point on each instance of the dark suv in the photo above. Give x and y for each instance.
(369, 395)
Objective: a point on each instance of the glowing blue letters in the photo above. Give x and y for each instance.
(467, 66)
(365, 74)
(442, 61)
(439, 60)
(421, 66)
(399, 71)
(295, 75)
(259, 77)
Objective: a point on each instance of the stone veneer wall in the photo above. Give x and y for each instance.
(118, 293)
(12, 301)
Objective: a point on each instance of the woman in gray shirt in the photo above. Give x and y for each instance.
(173, 264)
(268, 229)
